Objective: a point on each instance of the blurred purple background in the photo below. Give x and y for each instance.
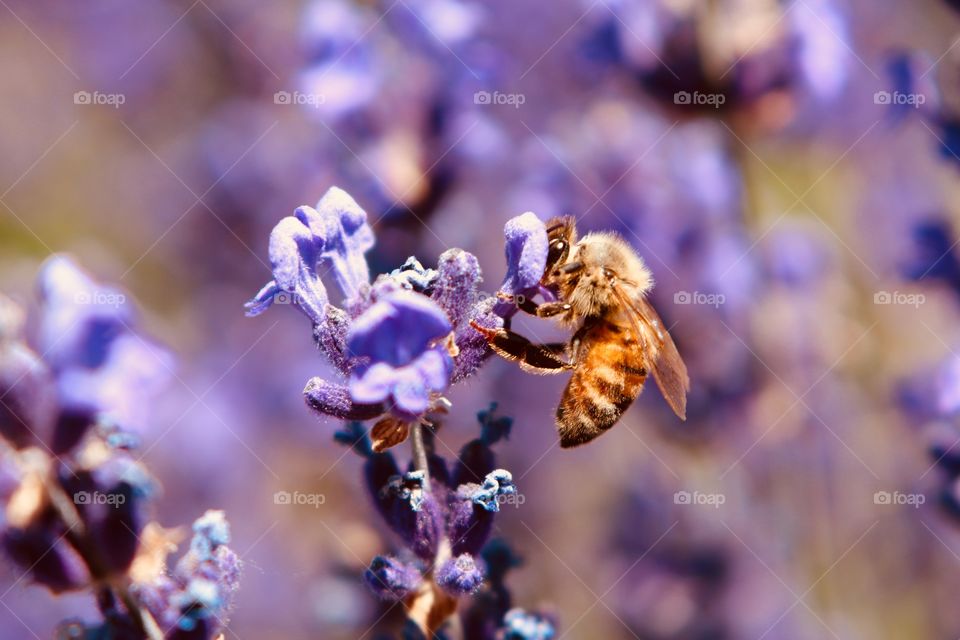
(799, 225)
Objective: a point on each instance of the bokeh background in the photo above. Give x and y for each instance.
(799, 225)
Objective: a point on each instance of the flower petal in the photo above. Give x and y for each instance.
(397, 329)
(410, 391)
(373, 384)
(435, 367)
(526, 249)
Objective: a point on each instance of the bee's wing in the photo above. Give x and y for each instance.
(663, 359)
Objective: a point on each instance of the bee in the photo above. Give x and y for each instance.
(601, 288)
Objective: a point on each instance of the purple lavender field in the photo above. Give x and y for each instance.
(261, 263)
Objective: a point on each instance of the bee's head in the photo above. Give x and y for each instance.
(561, 236)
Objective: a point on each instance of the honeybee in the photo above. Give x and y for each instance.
(601, 286)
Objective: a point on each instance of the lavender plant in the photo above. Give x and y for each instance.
(399, 344)
(75, 495)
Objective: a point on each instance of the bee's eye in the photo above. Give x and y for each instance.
(557, 248)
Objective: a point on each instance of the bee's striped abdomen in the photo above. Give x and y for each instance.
(607, 380)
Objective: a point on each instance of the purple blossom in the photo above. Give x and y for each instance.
(391, 579)
(342, 65)
(442, 514)
(471, 509)
(335, 235)
(86, 333)
(294, 255)
(455, 506)
(457, 290)
(802, 56)
(331, 399)
(526, 252)
(340, 226)
(460, 576)
(389, 339)
(400, 342)
(196, 596)
(74, 510)
(410, 509)
(402, 364)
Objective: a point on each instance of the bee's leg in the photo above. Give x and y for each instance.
(542, 310)
(549, 309)
(536, 358)
(524, 304)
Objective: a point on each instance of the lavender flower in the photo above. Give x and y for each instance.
(74, 501)
(413, 512)
(392, 579)
(444, 524)
(102, 369)
(403, 364)
(195, 597)
(460, 576)
(526, 251)
(391, 339)
(335, 234)
(676, 67)
(341, 61)
(401, 342)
